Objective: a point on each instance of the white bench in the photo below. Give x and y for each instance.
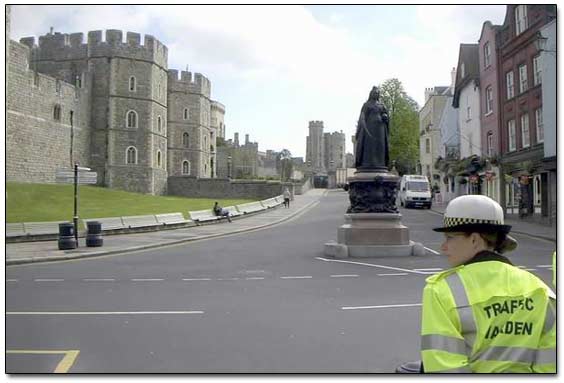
(109, 223)
(15, 229)
(279, 198)
(135, 221)
(203, 215)
(233, 211)
(271, 202)
(171, 218)
(250, 207)
(39, 228)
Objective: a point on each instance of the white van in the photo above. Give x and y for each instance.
(415, 191)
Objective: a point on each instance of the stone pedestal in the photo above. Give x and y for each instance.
(373, 225)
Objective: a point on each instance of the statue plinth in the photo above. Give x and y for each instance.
(373, 225)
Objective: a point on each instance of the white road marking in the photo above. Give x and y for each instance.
(99, 280)
(11, 280)
(432, 251)
(297, 277)
(196, 279)
(372, 265)
(547, 266)
(48, 280)
(253, 278)
(100, 312)
(431, 269)
(344, 275)
(383, 275)
(147, 279)
(380, 307)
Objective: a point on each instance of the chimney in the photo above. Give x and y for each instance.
(51, 30)
(246, 139)
(453, 77)
(236, 140)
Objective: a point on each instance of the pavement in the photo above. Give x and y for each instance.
(47, 251)
(518, 226)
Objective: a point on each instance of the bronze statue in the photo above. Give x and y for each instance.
(372, 135)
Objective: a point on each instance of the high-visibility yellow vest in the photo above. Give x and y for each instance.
(488, 317)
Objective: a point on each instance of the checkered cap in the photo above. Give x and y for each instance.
(456, 221)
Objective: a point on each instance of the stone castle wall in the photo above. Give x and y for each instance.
(223, 188)
(36, 143)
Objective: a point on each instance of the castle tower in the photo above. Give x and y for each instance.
(192, 139)
(315, 146)
(128, 106)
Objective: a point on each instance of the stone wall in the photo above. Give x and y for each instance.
(36, 143)
(223, 188)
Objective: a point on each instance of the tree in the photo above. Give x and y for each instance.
(285, 164)
(404, 125)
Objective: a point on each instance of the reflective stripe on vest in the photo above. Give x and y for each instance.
(546, 356)
(443, 343)
(467, 322)
(509, 354)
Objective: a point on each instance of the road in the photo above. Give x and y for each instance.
(266, 301)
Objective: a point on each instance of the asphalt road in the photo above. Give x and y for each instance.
(266, 301)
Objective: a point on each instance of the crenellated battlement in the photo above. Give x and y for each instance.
(189, 82)
(59, 46)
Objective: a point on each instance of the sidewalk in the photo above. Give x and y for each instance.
(517, 226)
(46, 251)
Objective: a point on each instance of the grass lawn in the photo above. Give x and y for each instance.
(55, 202)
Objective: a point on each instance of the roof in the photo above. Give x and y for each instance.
(468, 54)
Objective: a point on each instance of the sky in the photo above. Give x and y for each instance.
(275, 68)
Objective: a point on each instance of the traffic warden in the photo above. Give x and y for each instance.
(484, 315)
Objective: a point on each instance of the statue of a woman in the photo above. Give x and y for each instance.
(372, 135)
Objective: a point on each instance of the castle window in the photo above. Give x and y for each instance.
(131, 120)
(131, 155)
(159, 124)
(521, 22)
(186, 114)
(79, 81)
(57, 112)
(58, 86)
(185, 140)
(132, 84)
(159, 158)
(186, 167)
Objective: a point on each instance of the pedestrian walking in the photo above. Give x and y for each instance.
(221, 212)
(484, 315)
(287, 196)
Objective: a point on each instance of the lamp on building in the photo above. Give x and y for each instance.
(540, 43)
(229, 167)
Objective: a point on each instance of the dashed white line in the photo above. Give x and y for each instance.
(11, 280)
(196, 279)
(432, 251)
(372, 265)
(146, 279)
(344, 276)
(253, 278)
(380, 307)
(384, 275)
(48, 280)
(547, 266)
(297, 277)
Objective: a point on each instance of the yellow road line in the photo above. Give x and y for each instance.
(64, 365)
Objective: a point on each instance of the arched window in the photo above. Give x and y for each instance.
(185, 167)
(131, 155)
(185, 140)
(159, 124)
(131, 119)
(132, 84)
(57, 112)
(186, 114)
(205, 142)
(159, 159)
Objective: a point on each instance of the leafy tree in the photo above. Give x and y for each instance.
(404, 125)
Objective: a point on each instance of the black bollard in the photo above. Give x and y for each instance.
(94, 234)
(66, 236)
